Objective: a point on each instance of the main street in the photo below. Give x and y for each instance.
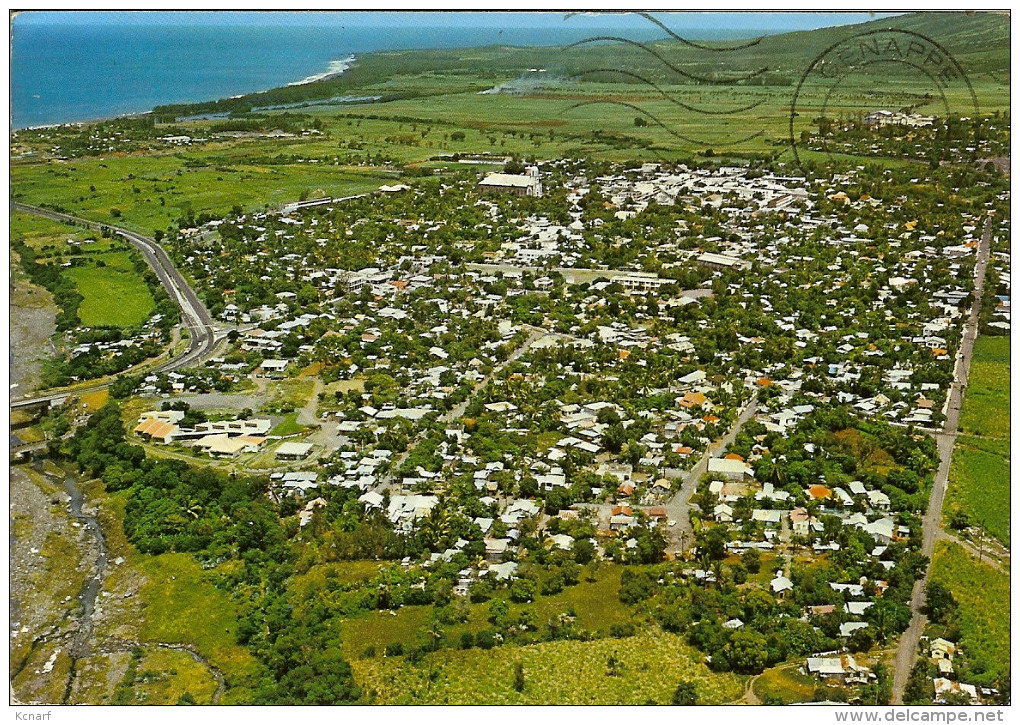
(203, 332)
(678, 507)
(932, 525)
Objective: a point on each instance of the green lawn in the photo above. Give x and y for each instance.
(649, 667)
(979, 484)
(287, 426)
(984, 604)
(787, 684)
(986, 403)
(112, 295)
(596, 605)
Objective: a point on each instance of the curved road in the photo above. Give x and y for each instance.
(196, 317)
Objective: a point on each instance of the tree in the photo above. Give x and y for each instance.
(918, 688)
(939, 602)
(518, 677)
(522, 590)
(747, 652)
(584, 551)
(752, 561)
(861, 640)
(686, 694)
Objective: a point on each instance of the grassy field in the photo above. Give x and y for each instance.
(979, 476)
(787, 684)
(986, 404)
(979, 484)
(984, 604)
(595, 603)
(113, 295)
(364, 146)
(287, 426)
(649, 668)
(170, 185)
(178, 603)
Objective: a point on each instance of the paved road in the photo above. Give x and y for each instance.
(204, 333)
(907, 650)
(573, 275)
(678, 507)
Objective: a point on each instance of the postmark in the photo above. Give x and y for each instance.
(896, 75)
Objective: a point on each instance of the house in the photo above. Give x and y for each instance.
(527, 184)
(818, 492)
(840, 669)
(723, 513)
(223, 446)
(656, 512)
(293, 450)
(780, 585)
(941, 649)
(157, 430)
(729, 469)
(882, 530)
(496, 548)
(692, 399)
(621, 522)
(848, 628)
(273, 368)
(767, 517)
(945, 687)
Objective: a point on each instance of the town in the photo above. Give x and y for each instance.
(543, 364)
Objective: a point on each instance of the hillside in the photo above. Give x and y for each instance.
(978, 41)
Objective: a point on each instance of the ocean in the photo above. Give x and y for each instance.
(69, 73)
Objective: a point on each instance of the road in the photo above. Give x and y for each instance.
(537, 333)
(932, 525)
(678, 507)
(573, 275)
(204, 333)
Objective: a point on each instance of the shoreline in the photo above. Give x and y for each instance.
(335, 69)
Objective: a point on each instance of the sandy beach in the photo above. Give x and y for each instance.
(336, 68)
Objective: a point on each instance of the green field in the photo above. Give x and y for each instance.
(786, 683)
(979, 476)
(595, 603)
(113, 295)
(986, 403)
(168, 186)
(982, 593)
(649, 667)
(979, 484)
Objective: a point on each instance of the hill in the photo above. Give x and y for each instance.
(978, 41)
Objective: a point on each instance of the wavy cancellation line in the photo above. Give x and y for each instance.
(679, 71)
(655, 21)
(666, 95)
(691, 43)
(666, 128)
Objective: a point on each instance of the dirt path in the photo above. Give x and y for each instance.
(985, 556)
